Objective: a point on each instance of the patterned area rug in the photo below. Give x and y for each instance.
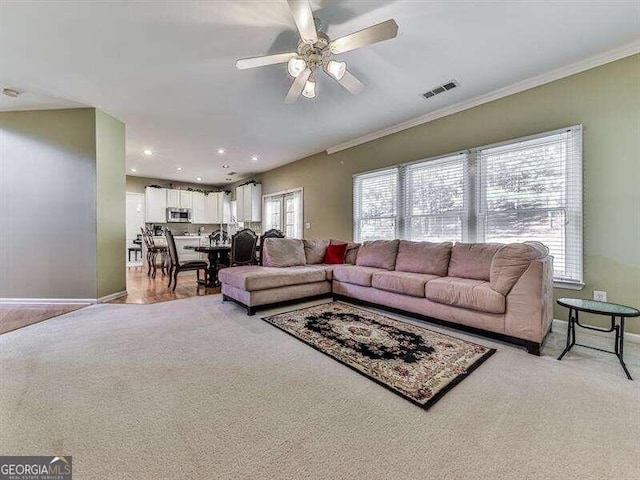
(419, 364)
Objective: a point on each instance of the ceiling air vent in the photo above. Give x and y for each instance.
(441, 89)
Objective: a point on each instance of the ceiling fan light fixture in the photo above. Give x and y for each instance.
(296, 66)
(309, 89)
(336, 69)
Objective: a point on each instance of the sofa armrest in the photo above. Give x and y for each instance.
(530, 302)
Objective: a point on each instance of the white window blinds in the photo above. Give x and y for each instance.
(524, 189)
(435, 207)
(532, 190)
(375, 205)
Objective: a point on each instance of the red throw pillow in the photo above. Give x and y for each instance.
(335, 253)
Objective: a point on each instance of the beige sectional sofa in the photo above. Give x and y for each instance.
(503, 291)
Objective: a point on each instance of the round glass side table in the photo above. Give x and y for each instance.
(613, 310)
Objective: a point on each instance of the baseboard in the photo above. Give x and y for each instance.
(561, 325)
(48, 301)
(113, 296)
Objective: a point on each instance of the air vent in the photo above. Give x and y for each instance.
(441, 89)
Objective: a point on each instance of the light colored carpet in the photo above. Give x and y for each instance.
(195, 389)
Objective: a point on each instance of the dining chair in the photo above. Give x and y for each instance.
(176, 267)
(243, 247)
(273, 233)
(152, 253)
(219, 236)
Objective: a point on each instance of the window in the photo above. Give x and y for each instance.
(436, 204)
(375, 205)
(524, 189)
(283, 211)
(532, 190)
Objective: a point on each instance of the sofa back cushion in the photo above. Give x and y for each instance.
(378, 254)
(283, 252)
(352, 250)
(511, 261)
(472, 260)
(424, 257)
(314, 250)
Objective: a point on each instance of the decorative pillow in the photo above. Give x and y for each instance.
(378, 254)
(352, 250)
(472, 260)
(314, 250)
(335, 254)
(511, 261)
(424, 257)
(283, 252)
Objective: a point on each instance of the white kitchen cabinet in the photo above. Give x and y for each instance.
(218, 208)
(156, 205)
(224, 207)
(173, 198)
(186, 199)
(249, 203)
(198, 210)
(211, 208)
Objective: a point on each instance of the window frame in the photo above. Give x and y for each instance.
(282, 198)
(471, 223)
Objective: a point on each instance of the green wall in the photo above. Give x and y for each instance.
(110, 204)
(62, 195)
(605, 100)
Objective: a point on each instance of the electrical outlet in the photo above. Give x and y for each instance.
(307, 225)
(600, 295)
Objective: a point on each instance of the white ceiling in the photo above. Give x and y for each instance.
(166, 68)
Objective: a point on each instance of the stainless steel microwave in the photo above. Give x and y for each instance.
(178, 215)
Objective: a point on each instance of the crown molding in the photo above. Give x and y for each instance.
(581, 66)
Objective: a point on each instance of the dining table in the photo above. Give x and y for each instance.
(216, 254)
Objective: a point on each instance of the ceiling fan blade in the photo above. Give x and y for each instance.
(262, 61)
(350, 82)
(303, 16)
(297, 86)
(376, 33)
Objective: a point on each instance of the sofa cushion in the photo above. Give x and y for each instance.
(466, 293)
(352, 250)
(511, 261)
(253, 277)
(402, 282)
(335, 254)
(326, 267)
(355, 274)
(424, 257)
(283, 252)
(314, 250)
(378, 254)
(472, 260)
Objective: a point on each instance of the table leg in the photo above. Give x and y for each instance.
(620, 347)
(213, 269)
(571, 333)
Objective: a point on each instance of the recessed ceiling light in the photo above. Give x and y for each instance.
(147, 152)
(225, 166)
(179, 169)
(134, 170)
(254, 158)
(221, 151)
(199, 179)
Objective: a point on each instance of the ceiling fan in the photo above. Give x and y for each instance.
(315, 50)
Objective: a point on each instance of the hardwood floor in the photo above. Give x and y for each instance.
(13, 317)
(142, 289)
